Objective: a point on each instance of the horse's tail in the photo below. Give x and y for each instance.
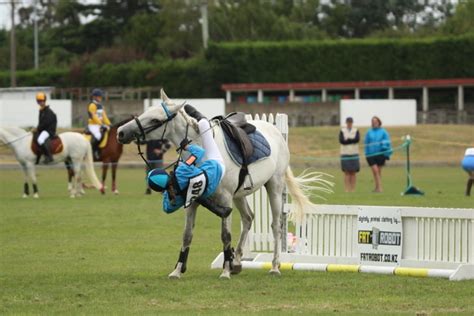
(301, 187)
(89, 163)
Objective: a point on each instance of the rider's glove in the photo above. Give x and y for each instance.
(185, 142)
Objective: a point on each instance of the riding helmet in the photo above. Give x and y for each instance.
(97, 93)
(158, 179)
(40, 96)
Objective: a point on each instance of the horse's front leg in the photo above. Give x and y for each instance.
(30, 169)
(26, 187)
(114, 173)
(180, 267)
(247, 217)
(105, 167)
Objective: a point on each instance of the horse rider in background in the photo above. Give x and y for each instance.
(46, 129)
(98, 121)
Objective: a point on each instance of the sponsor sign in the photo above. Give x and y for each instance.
(379, 236)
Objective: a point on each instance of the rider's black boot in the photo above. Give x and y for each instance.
(191, 111)
(469, 186)
(221, 211)
(95, 148)
(46, 147)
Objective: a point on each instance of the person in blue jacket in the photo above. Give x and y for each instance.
(197, 177)
(468, 166)
(378, 149)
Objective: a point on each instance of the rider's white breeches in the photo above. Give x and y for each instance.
(95, 131)
(43, 136)
(209, 145)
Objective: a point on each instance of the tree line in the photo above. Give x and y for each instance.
(73, 33)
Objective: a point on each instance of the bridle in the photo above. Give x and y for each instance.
(147, 129)
(155, 124)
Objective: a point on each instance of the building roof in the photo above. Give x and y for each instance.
(430, 83)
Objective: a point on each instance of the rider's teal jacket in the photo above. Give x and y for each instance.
(193, 166)
(377, 140)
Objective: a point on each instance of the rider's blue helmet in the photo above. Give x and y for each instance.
(158, 179)
(97, 93)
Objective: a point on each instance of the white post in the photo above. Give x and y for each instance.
(390, 93)
(36, 45)
(356, 93)
(425, 100)
(460, 98)
(260, 96)
(292, 95)
(324, 95)
(228, 96)
(205, 24)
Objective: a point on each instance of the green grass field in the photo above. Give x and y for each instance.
(112, 254)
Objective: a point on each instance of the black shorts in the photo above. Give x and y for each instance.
(378, 160)
(350, 163)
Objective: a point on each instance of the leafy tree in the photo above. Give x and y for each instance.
(462, 21)
(143, 33)
(262, 20)
(180, 30)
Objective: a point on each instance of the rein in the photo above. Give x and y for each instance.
(16, 139)
(145, 130)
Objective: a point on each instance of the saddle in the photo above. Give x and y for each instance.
(56, 146)
(103, 142)
(244, 144)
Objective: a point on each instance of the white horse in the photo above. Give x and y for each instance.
(272, 172)
(76, 150)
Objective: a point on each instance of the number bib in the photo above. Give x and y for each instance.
(196, 187)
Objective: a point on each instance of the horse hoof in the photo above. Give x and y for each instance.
(24, 195)
(36, 195)
(225, 275)
(175, 275)
(237, 268)
(102, 191)
(116, 192)
(275, 272)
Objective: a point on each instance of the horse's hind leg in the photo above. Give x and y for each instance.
(247, 217)
(275, 193)
(76, 182)
(228, 251)
(180, 267)
(70, 173)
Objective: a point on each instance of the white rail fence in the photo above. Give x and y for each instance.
(435, 241)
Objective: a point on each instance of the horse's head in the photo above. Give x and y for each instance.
(149, 124)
